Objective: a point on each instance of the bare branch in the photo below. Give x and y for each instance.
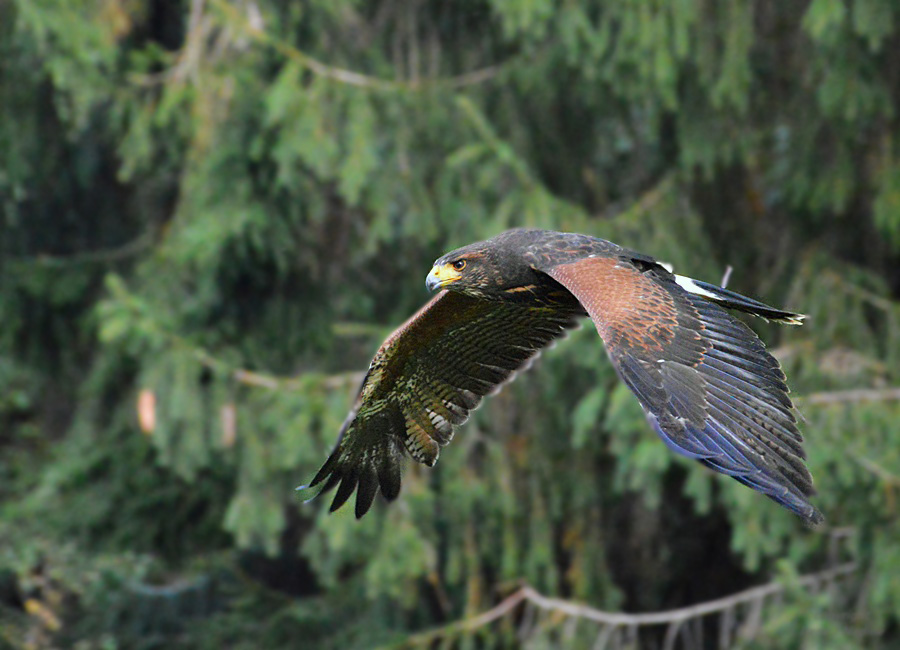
(684, 613)
(876, 469)
(272, 382)
(674, 618)
(855, 395)
(470, 78)
(466, 625)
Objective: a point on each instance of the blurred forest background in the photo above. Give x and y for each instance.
(213, 211)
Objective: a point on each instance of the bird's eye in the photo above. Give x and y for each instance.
(459, 265)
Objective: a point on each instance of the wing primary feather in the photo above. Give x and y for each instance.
(327, 468)
(333, 480)
(368, 487)
(781, 425)
(348, 484)
(788, 467)
(779, 417)
(752, 367)
(760, 385)
(733, 346)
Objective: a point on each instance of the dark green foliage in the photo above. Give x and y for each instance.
(223, 207)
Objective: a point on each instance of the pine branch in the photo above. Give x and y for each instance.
(102, 256)
(343, 75)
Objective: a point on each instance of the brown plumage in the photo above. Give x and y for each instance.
(707, 384)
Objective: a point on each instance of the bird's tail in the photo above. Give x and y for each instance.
(733, 300)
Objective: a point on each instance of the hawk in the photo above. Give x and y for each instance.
(706, 383)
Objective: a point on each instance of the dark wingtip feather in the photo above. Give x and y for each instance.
(365, 493)
(327, 468)
(800, 506)
(348, 484)
(784, 495)
(814, 519)
(363, 461)
(332, 481)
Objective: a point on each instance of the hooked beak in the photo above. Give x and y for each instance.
(441, 276)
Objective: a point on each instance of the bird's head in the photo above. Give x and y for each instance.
(484, 269)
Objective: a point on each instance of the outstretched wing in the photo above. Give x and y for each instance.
(706, 382)
(424, 380)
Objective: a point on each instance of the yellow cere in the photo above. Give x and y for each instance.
(444, 274)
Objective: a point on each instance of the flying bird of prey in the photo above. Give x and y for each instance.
(705, 381)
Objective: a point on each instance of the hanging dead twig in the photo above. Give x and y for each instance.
(727, 276)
